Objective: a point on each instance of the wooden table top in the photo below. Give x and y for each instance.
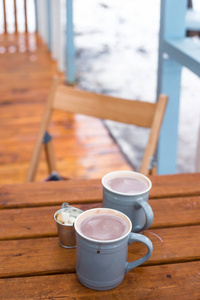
(34, 266)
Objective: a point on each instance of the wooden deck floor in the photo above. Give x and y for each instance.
(26, 71)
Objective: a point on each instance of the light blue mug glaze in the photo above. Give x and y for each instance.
(101, 265)
(134, 205)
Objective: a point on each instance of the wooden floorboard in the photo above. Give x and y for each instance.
(26, 71)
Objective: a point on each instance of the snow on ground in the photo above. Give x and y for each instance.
(117, 51)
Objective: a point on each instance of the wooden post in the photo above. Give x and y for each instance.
(70, 49)
(172, 25)
(25, 16)
(5, 19)
(15, 14)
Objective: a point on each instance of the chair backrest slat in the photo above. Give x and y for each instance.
(154, 134)
(104, 107)
(76, 101)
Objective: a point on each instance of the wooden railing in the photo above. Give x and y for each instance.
(15, 16)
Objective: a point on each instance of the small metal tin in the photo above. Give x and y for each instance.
(66, 232)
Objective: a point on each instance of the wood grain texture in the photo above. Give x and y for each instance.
(154, 136)
(33, 265)
(90, 191)
(50, 193)
(175, 185)
(39, 141)
(39, 222)
(19, 257)
(158, 282)
(104, 107)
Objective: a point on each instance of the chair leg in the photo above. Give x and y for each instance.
(153, 171)
(50, 156)
(43, 127)
(37, 152)
(34, 162)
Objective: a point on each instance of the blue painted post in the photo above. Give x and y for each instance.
(48, 19)
(36, 15)
(38, 8)
(172, 25)
(42, 28)
(70, 49)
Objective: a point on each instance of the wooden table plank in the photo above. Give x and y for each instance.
(45, 256)
(39, 222)
(90, 191)
(175, 185)
(50, 193)
(176, 281)
(31, 222)
(171, 212)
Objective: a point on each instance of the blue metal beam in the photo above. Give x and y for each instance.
(36, 15)
(172, 26)
(48, 20)
(70, 49)
(185, 51)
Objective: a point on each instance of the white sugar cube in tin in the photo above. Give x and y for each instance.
(59, 218)
(65, 215)
(75, 213)
(71, 220)
(68, 216)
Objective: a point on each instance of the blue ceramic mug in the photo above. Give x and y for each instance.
(101, 264)
(131, 200)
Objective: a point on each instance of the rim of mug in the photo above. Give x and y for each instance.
(102, 209)
(139, 175)
(65, 208)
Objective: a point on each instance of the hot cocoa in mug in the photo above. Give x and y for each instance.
(127, 185)
(128, 192)
(102, 239)
(103, 227)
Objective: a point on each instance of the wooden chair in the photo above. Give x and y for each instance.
(70, 99)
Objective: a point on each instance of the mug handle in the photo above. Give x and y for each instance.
(135, 237)
(141, 203)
